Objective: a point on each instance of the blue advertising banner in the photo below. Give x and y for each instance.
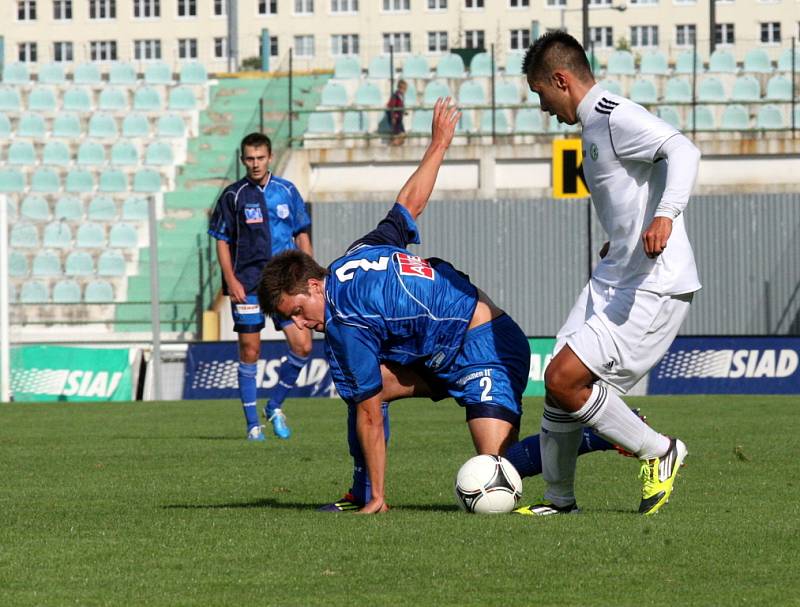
(729, 365)
(212, 367)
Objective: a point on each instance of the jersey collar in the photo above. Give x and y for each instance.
(588, 101)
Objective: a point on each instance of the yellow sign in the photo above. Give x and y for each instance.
(568, 179)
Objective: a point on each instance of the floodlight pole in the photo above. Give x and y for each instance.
(155, 299)
(5, 349)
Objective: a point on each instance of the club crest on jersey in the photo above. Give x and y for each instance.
(282, 210)
(593, 151)
(253, 215)
(411, 265)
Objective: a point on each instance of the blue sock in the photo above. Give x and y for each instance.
(362, 488)
(527, 459)
(287, 376)
(247, 392)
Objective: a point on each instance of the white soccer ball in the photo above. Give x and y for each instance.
(488, 484)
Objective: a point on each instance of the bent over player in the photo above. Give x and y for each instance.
(640, 172)
(254, 219)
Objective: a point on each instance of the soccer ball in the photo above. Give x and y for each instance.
(488, 484)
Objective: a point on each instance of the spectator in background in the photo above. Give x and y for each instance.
(395, 112)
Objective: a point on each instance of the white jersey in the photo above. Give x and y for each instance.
(620, 142)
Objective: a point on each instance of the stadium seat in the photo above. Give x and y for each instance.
(42, 99)
(87, 73)
(135, 209)
(785, 60)
(421, 121)
(735, 117)
(111, 263)
(52, 73)
(113, 180)
(157, 72)
(471, 93)
(757, 60)
(79, 182)
(171, 126)
(46, 263)
(643, 91)
(45, 180)
(193, 72)
(506, 92)
(112, 99)
(147, 180)
(705, 119)
(514, 64)
(21, 152)
(379, 67)
(711, 91)
(67, 126)
(678, 90)
(91, 153)
(90, 236)
(333, 95)
(147, 99)
(612, 86)
(722, 61)
(10, 100)
(102, 208)
(79, 263)
(124, 153)
(354, 123)
(621, 62)
(654, 62)
(77, 99)
(416, 66)
(345, 68)
(594, 62)
(501, 122)
(321, 123)
(24, 235)
(779, 88)
(746, 88)
(34, 291)
(31, 125)
(369, 95)
(433, 90)
(135, 126)
(123, 236)
(102, 126)
(56, 153)
(12, 292)
(34, 208)
(121, 73)
(464, 125)
(69, 208)
(159, 153)
(17, 264)
(450, 66)
(57, 235)
(11, 209)
(5, 126)
(533, 98)
(769, 117)
(797, 115)
(411, 96)
(559, 127)
(182, 99)
(66, 292)
(683, 63)
(11, 180)
(481, 65)
(16, 73)
(98, 291)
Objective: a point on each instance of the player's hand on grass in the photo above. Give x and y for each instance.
(374, 506)
(655, 237)
(445, 118)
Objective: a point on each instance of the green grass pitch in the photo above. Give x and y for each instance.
(167, 504)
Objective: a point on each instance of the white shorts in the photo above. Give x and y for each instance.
(620, 334)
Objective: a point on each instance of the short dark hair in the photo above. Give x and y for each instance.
(256, 140)
(552, 51)
(287, 273)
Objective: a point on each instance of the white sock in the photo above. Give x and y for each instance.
(611, 418)
(558, 444)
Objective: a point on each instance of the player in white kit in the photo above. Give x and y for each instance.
(640, 172)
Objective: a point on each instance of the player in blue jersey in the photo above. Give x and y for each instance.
(398, 326)
(256, 218)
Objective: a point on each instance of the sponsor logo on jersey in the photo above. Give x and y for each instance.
(248, 309)
(411, 265)
(253, 215)
(282, 210)
(731, 364)
(593, 151)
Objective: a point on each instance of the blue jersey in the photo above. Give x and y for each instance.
(386, 304)
(257, 222)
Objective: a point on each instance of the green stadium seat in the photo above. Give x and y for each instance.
(17, 264)
(704, 117)
(643, 91)
(683, 63)
(654, 62)
(159, 153)
(171, 126)
(147, 180)
(346, 68)
(102, 126)
(379, 68)
(112, 99)
(735, 117)
(471, 93)
(24, 235)
(321, 123)
(113, 180)
(785, 60)
(670, 115)
(678, 90)
(11, 180)
(57, 235)
(421, 121)
(5, 126)
(333, 95)
(368, 94)
(111, 263)
(135, 209)
(769, 117)
(66, 292)
(34, 208)
(11, 209)
(135, 126)
(87, 73)
(722, 61)
(746, 88)
(46, 263)
(797, 115)
(34, 291)
(711, 91)
(506, 93)
(67, 126)
(147, 99)
(621, 62)
(91, 153)
(464, 125)
(42, 99)
(411, 96)
(450, 66)
(514, 64)
(757, 60)
(77, 99)
(10, 100)
(45, 180)
(90, 236)
(533, 98)
(52, 73)
(559, 127)
(79, 182)
(182, 99)
(21, 152)
(124, 153)
(502, 124)
(123, 236)
(416, 66)
(779, 88)
(69, 208)
(12, 292)
(79, 263)
(121, 73)
(16, 73)
(612, 86)
(31, 125)
(99, 291)
(102, 208)
(193, 72)
(481, 65)
(56, 153)
(433, 90)
(354, 123)
(157, 72)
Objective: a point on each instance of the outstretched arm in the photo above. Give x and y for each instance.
(415, 193)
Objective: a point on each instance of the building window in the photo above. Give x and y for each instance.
(303, 7)
(146, 9)
(187, 8)
(304, 46)
(518, 3)
(400, 41)
(62, 51)
(473, 39)
(267, 7)
(644, 35)
(437, 5)
(27, 52)
(437, 42)
(771, 32)
(519, 40)
(602, 37)
(273, 46)
(103, 50)
(599, 2)
(344, 44)
(344, 6)
(725, 33)
(146, 50)
(62, 10)
(641, 2)
(474, 4)
(552, 3)
(102, 9)
(26, 10)
(685, 2)
(220, 48)
(396, 5)
(685, 35)
(220, 8)
(187, 48)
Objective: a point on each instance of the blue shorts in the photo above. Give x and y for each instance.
(249, 318)
(490, 372)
